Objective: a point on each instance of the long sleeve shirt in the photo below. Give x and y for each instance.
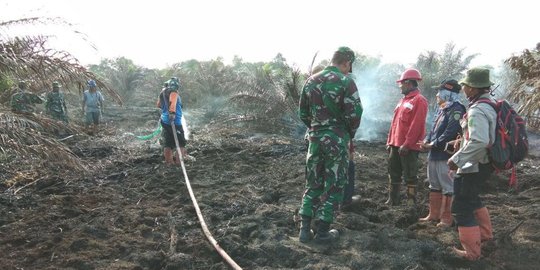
(445, 128)
(409, 122)
(330, 101)
(479, 132)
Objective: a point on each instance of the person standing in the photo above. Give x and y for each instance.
(406, 131)
(331, 108)
(92, 106)
(23, 101)
(171, 113)
(446, 128)
(55, 104)
(472, 164)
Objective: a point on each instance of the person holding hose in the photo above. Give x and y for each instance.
(171, 113)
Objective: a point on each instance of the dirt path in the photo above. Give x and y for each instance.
(132, 212)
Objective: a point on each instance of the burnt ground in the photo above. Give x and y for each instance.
(132, 212)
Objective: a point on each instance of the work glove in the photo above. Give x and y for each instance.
(172, 116)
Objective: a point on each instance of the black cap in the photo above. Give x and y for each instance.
(451, 85)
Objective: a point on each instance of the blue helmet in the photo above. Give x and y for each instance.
(91, 83)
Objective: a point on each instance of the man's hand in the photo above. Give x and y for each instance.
(452, 166)
(403, 150)
(424, 146)
(172, 116)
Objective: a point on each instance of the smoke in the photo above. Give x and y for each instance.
(379, 94)
(185, 126)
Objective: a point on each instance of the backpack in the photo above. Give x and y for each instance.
(511, 144)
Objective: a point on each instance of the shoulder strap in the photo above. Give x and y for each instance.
(488, 101)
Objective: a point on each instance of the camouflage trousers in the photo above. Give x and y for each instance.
(59, 116)
(326, 175)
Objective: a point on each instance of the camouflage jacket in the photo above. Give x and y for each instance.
(330, 100)
(55, 102)
(24, 102)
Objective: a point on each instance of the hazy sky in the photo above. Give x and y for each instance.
(158, 33)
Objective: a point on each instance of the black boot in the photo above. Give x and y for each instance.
(305, 230)
(393, 195)
(324, 234)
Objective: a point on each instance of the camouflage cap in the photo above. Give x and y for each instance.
(348, 53)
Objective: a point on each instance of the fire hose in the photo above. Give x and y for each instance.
(149, 136)
(204, 227)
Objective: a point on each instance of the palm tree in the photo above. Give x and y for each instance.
(121, 73)
(26, 139)
(526, 91)
(30, 58)
(436, 67)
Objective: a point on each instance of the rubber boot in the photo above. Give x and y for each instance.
(435, 200)
(484, 221)
(470, 240)
(411, 195)
(324, 234)
(168, 153)
(446, 212)
(305, 230)
(393, 195)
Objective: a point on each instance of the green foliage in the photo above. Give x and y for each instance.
(121, 73)
(5, 84)
(436, 67)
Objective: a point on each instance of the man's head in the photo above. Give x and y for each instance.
(409, 80)
(173, 84)
(56, 86)
(476, 82)
(92, 85)
(343, 59)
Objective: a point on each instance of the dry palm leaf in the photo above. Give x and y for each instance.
(27, 139)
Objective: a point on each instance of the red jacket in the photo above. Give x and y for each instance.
(409, 122)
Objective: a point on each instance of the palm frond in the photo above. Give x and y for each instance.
(27, 138)
(29, 58)
(526, 91)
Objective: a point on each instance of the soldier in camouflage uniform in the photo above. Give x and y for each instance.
(55, 103)
(331, 108)
(22, 101)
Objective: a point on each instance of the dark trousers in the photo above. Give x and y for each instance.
(403, 166)
(467, 189)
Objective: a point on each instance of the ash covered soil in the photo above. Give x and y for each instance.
(132, 212)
